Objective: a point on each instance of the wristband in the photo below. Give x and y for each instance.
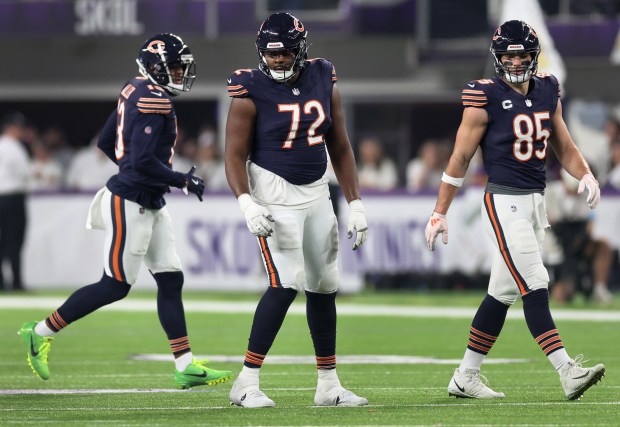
(457, 182)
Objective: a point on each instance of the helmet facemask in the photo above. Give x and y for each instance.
(282, 76)
(519, 75)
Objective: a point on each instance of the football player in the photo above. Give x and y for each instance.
(139, 136)
(284, 117)
(512, 117)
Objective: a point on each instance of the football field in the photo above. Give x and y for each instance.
(398, 350)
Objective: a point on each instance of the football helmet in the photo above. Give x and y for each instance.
(282, 31)
(515, 37)
(162, 52)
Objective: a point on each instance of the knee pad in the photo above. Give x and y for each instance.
(170, 281)
(524, 244)
(328, 283)
(116, 290)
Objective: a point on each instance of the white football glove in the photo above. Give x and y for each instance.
(437, 223)
(594, 193)
(256, 216)
(357, 222)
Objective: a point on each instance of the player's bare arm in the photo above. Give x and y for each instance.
(565, 149)
(340, 151)
(468, 137)
(239, 131)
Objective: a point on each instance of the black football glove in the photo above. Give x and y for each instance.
(194, 184)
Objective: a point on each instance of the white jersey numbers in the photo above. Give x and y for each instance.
(119, 148)
(527, 131)
(310, 108)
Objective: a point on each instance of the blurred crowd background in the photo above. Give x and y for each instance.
(401, 66)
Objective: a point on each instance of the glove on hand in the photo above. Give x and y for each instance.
(257, 217)
(437, 223)
(357, 222)
(194, 184)
(594, 193)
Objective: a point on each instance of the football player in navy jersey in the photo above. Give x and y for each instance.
(139, 136)
(512, 117)
(284, 117)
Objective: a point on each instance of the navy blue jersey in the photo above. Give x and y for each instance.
(140, 137)
(514, 147)
(291, 122)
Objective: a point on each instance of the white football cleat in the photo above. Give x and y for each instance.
(468, 383)
(576, 380)
(337, 396)
(249, 396)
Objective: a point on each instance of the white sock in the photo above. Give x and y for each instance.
(183, 361)
(328, 376)
(559, 358)
(471, 360)
(43, 330)
(249, 375)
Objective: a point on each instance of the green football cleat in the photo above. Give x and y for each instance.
(198, 374)
(38, 349)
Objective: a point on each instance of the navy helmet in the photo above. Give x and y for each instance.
(515, 37)
(159, 54)
(282, 31)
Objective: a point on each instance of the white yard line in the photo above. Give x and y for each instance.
(149, 305)
(342, 359)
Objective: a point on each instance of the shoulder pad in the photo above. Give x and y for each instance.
(325, 64)
(474, 93)
(151, 99)
(239, 81)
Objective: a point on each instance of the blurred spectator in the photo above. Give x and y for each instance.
(613, 178)
(14, 181)
(47, 173)
(90, 168)
(585, 262)
(210, 164)
(185, 155)
(424, 171)
(56, 142)
(375, 171)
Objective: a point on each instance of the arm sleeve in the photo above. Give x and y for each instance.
(143, 155)
(107, 137)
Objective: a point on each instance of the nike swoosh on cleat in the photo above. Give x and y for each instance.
(33, 352)
(337, 400)
(242, 398)
(203, 375)
(459, 387)
(581, 376)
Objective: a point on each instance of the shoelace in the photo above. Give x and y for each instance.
(200, 362)
(45, 349)
(477, 377)
(579, 360)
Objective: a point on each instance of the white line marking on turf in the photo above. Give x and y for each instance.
(298, 308)
(328, 408)
(342, 359)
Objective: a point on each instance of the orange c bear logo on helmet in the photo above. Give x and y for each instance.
(298, 25)
(156, 46)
